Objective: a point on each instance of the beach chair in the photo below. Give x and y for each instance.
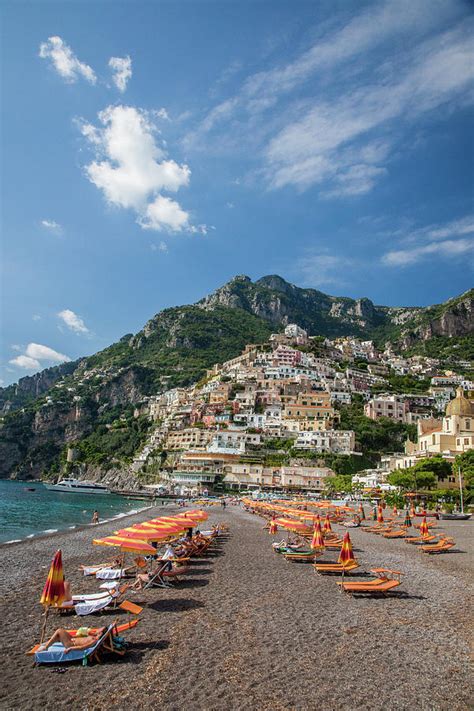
(443, 545)
(397, 533)
(378, 586)
(95, 602)
(57, 653)
(120, 629)
(333, 544)
(332, 568)
(418, 540)
(300, 556)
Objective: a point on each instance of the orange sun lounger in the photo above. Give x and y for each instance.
(324, 568)
(443, 545)
(378, 585)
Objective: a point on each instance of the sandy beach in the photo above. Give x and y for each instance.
(247, 630)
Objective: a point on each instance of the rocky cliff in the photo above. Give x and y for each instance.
(77, 401)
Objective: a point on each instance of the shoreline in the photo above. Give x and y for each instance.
(51, 534)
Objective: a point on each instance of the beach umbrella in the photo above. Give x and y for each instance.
(407, 522)
(395, 512)
(346, 555)
(361, 512)
(327, 525)
(126, 543)
(374, 513)
(150, 526)
(424, 527)
(53, 594)
(290, 525)
(380, 515)
(145, 534)
(273, 528)
(317, 542)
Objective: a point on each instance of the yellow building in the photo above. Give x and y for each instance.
(450, 436)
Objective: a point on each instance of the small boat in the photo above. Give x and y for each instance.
(77, 486)
(30, 488)
(455, 516)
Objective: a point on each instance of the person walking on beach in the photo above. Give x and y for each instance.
(95, 517)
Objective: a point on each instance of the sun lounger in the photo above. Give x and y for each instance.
(398, 533)
(443, 545)
(119, 629)
(57, 653)
(333, 544)
(90, 604)
(325, 568)
(300, 556)
(379, 586)
(418, 540)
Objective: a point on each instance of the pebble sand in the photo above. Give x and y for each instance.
(247, 630)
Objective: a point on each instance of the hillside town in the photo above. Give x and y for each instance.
(288, 393)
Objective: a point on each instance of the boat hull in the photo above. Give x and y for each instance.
(76, 490)
(455, 517)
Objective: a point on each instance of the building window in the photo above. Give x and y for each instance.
(468, 424)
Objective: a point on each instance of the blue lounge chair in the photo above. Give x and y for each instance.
(56, 654)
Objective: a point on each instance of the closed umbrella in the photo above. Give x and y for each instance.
(407, 522)
(273, 528)
(347, 554)
(53, 594)
(395, 512)
(424, 527)
(327, 525)
(317, 542)
(380, 515)
(361, 512)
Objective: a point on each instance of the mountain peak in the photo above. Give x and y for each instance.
(276, 283)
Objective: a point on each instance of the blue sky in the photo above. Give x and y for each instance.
(153, 150)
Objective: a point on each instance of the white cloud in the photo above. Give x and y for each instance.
(23, 361)
(132, 170)
(449, 241)
(36, 350)
(448, 249)
(164, 213)
(333, 115)
(52, 226)
(65, 61)
(331, 141)
(36, 317)
(73, 321)
(16, 347)
(161, 247)
(315, 269)
(122, 71)
(34, 353)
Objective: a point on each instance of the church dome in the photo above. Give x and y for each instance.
(460, 405)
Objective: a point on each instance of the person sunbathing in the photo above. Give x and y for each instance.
(83, 639)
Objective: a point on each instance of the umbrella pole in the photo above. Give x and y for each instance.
(43, 627)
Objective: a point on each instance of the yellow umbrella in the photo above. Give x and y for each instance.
(126, 543)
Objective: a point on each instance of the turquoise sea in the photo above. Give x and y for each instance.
(24, 514)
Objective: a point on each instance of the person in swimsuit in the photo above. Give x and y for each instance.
(69, 642)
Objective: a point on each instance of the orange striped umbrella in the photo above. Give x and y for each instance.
(317, 542)
(346, 555)
(273, 527)
(143, 534)
(361, 512)
(327, 524)
(150, 526)
(53, 591)
(195, 514)
(424, 527)
(291, 525)
(126, 543)
(380, 515)
(395, 511)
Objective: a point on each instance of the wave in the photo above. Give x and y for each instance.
(50, 530)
